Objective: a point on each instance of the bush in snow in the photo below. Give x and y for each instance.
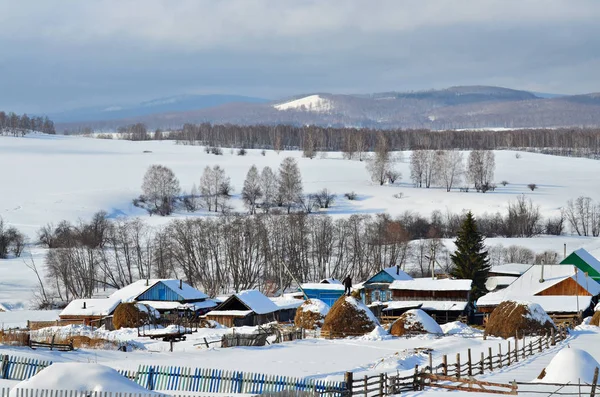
(415, 322)
(532, 186)
(348, 317)
(512, 318)
(311, 314)
(350, 195)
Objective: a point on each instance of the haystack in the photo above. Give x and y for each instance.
(348, 317)
(311, 314)
(595, 319)
(512, 318)
(128, 315)
(415, 321)
(570, 365)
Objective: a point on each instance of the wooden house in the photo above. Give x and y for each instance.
(444, 299)
(558, 289)
(376, 289)
(249, 307)
(287, 306)
(88, 311)
(585, 262)
(328, 290)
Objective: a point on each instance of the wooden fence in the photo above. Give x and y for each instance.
(6, 392)
(20, 368)
(220, 381)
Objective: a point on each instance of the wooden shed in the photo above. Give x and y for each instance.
(88, 311)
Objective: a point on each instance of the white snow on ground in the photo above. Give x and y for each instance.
(459, 328)
(570, 365)
(315, 305)
(419, 317)
(18, 318)
(311, 103)
(81, 377)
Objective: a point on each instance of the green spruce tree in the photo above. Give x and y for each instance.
(471, 258)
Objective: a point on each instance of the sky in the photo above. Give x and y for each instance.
(65, 54)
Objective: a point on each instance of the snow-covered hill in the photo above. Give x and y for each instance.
(311, 103)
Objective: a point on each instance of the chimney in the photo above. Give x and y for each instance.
(565, 251)
(542, 277)
(180, 284)
(147, 282)
(84, 304)
(397, 269)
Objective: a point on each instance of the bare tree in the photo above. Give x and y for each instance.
(215, 188)
(324, 198)
(584, 216)
(417, 167)
(251, 192)
(480, 169)
(381, 162)
(290, 183)
(269, 186)
(450, 167)
(160, 188)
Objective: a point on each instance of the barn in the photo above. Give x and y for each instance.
(376, 289)
(248, 307)
(445, 300)
(562, 291)
(88, 311)
(585, 262)
(328, 290)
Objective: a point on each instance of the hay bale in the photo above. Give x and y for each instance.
(415, 321)
(128, 315)
(311, 314)
(348, 317)
(512, 318)
(595, 319)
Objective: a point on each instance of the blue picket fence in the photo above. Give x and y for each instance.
(170, 378)
(20, 368)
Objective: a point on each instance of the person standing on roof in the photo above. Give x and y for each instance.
(348, 285)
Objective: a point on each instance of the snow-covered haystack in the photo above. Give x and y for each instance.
(131, 315)
(510, 318)
(570, 366)
(415, 321)
(459, 328)
(81, 377)
(595, 319)
(348, 317)
(311, 314)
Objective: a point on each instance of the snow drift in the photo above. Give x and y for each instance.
(570, 365)
(415, 321)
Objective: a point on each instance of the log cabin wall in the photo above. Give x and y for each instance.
(568, 287)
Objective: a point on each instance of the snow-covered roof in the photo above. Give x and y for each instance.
(330, 281)
(322, 286)
(133, 290)
(397, 273)
(168, 305)
(234, 313)
(550, 303)
(93, 307)
(428, 284)
(287, 302)
(588, 258)
(256, 301)
(514, 269)
(427, 305)
(18, 318)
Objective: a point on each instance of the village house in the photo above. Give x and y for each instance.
(445, 300)
(327, 290)
(376, 289)
(561, 290)
(249, 307)
(88, 311)
(585, 262)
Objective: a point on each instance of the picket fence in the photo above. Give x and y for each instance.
(169, 378)
(5, 392)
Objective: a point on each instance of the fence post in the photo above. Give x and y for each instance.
(150, 378)
(348, 380)
(458, 365)
(52, 343)
(509, 353)
(524, 347)
(594, 382)
(416, 379)
(530, 348)
(430, 364)
(500, 355)
(482, 364)
(470, 362)
(553, 336)
(445, 364)
(517, 347)
(381, 382)
(490, 361)
(366, 387)
(5, 367)
(540, 341)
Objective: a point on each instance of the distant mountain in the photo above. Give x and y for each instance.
(179, 103)
(451, 108)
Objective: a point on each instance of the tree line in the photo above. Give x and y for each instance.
(14, 124)
(232, 252)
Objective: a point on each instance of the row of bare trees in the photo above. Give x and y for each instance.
(267, 251)
(14, 124)
(356, 142)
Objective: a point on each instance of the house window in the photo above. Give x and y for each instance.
(376, 296)
(384, 297)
